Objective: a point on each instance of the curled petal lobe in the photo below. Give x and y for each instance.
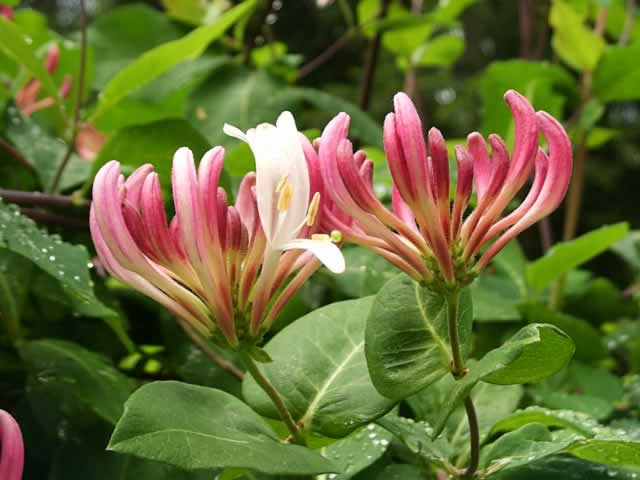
(324, 249)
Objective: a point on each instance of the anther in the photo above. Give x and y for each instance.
(313, 209)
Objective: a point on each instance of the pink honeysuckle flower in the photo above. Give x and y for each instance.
(7, 12)
(11, 448)
(425, 234)
(27, 96)
(221, 268)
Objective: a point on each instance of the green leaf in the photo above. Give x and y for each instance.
(525, 445)
(64, 377)
(572, 40)
(617, 77)
(609, 452)
(365, 274)
(545, 85)
(441, 51)
(154, 143)
(197, 428)
(319, 369)
(18, 47)
(67, 263)
(407, 337)
(15, 275)
(535, 352)
(357, 451)
(576, 421)
(417, 437)
(362, 125)
(587, 339)
(45, 152)
(494, 299)
(117, 40)
(160, 59)
(582, 388)
(237, 96)
(629, 249)
(195, 12)
(566, 256)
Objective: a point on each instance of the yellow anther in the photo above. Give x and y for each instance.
(321, 236)
(284, 200)
(336, 236)
(313, 209)
(281, 184)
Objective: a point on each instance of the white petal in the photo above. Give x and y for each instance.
(327, 252)
(235, 132)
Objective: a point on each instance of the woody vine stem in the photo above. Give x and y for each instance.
(459, 370)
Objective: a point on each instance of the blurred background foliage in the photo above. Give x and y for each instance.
(77, 343)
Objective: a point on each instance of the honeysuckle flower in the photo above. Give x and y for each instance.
(89, 141)
(221, 268)
(425, 234)
(283, 197)
(7, 12)
(27, 96)
(11, 448)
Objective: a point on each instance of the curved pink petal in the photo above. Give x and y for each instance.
(12, 458)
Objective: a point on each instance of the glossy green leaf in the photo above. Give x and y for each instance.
(117, 39)
(67, 378)
(572, 40)
(587, 339)
(566, 467)
(160, 59)
(618, 74)
(197, 428)
(417, 437)
(441, 51)
(619, 453)
(319, 368)
(566, 256)
(535, 352)
(578, 422)
(356, 452)
(67, 263)
(196, 12)
(407, 337)
(15, 275)
(45, 152)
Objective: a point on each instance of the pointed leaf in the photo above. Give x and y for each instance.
(319, 368)
(197, 428)
(407, 337)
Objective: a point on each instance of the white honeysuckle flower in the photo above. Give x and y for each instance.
(282, 189)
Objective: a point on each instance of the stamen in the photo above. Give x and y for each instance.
(321, 236)
(281, 184)
(284, 200)
(313, 209)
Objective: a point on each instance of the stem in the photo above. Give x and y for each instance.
(628, 22)
(459, 370)
(410, 78)
(79, 95)
(474, 437)
(13, 151)
(215, 357)
(40, 199)
(269, 389)
(372, 60)
(326, 55)
(52, 219)
(253, 36)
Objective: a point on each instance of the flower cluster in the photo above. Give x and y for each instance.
(226, 270)
(27, 96)
(426, 234)
(11, 448)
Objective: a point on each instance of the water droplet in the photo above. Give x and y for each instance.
(52, 258)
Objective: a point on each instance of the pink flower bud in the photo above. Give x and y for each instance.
(11, 448)
(7, 12)
(53, 56)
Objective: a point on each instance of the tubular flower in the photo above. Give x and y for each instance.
(27, 96)
(221, 268)
(11, 448)
(425, 233)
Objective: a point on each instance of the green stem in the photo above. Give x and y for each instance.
(459, 370)
(269, 389)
